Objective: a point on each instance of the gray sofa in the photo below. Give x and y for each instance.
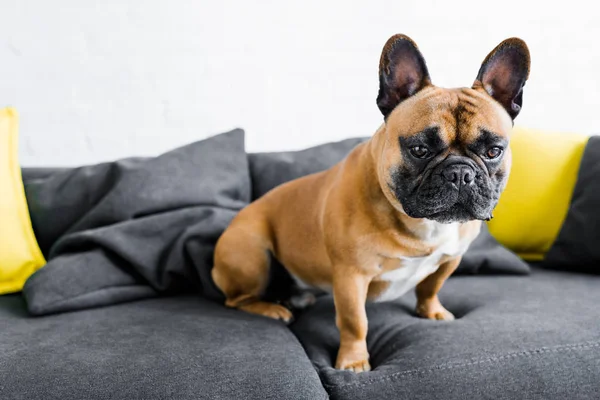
(515, 337)
(534, 337)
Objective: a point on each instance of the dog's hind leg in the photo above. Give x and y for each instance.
(241, 270)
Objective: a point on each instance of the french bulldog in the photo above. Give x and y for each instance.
(398, 211)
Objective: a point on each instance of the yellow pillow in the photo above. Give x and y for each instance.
(536, 200)
(20, 255)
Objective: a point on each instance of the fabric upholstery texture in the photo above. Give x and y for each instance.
(577, 247)
(168, 348)
(269, 170)
(20, 254)
(515, 337)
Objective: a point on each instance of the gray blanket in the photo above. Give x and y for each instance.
(137, 227)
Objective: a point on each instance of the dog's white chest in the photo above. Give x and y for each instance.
(412, 270)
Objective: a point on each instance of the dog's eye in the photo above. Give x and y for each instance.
(419, 151)
(493, 152)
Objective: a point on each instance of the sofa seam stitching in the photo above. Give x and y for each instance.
(447, 366)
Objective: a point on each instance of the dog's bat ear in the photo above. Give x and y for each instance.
(503, 74)
(402, 73)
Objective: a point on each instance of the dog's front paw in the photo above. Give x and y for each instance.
(353, 361)
(434, 310)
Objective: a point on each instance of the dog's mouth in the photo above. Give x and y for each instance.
(450, 206)
(457, 212)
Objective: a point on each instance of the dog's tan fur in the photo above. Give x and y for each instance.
(343, 228)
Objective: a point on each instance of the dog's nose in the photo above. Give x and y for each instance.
(459, 174)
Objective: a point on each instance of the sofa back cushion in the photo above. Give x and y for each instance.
(269, 170)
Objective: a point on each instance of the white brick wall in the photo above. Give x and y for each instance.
(99, 80)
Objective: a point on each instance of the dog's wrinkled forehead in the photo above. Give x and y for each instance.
(460, 115)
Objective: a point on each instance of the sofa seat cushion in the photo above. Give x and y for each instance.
(534, 337)
(168, 348)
